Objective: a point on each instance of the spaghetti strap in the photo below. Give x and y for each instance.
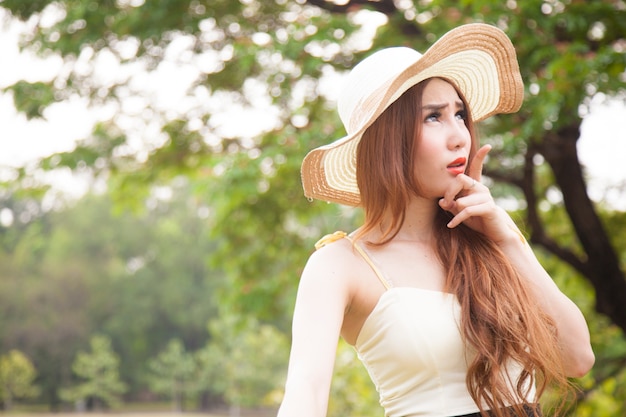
(341, 235)
(371, 263)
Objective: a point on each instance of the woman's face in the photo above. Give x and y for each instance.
(444, 142)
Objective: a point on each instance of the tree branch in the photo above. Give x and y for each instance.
(602, 267)
(537, 230)
(386, 7)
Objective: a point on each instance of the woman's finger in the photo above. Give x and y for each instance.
(462, 186)
(476, 168)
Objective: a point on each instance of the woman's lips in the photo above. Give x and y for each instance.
(457, 166)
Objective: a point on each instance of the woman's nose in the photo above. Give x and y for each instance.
(458, 135)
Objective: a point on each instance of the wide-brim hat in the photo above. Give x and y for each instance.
(478, 59)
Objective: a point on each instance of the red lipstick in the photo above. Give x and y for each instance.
(457, 166)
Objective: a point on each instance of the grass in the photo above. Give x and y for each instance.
(131, 414)
(109, 413)
(132, 410)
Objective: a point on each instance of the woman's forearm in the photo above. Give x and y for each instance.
(572, 330)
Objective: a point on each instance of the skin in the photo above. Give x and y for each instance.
(338, 290)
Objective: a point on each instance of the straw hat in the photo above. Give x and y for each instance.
(478, 59)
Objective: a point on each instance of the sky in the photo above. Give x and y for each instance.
(602, 146)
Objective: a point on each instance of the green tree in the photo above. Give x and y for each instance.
(602, 392)
(352, 391)
(98, 372)
(43, 306)
(141, 278)
(17, 378)
(209, 376)
(569, 51)
(250, 358)
(171, 373)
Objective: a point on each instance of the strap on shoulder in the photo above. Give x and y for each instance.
(333, 237)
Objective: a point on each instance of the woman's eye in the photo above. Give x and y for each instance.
(433, 117)
(461, 114)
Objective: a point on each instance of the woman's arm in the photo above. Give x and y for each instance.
(323, 296)
(471, 203)
(572, 330)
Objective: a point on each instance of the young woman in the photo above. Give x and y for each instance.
(438, 291)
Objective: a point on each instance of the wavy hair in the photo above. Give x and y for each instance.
(500, 320)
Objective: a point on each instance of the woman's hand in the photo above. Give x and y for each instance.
(471, 203)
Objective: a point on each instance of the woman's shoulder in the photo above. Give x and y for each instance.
(330, 271)
(335, 252)
(333, 244)
(330, 238)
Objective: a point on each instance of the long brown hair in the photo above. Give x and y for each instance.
(500, 320)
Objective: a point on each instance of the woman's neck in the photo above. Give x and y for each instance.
(418, 222)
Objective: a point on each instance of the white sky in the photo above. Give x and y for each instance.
(602, 146)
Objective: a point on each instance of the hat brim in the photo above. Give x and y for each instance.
(478, 59)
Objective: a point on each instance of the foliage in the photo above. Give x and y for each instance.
(275, 58)
(17, 377)
(279, 59)
(251, 358)
(352, 391)
(599, 392)
(98, 371)
(242, 363)
(171, 373)
(140, 279)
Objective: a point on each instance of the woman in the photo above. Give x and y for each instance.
(439, 293)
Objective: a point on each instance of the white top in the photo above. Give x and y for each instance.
(412, 347)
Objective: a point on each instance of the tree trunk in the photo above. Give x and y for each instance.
(602, 266)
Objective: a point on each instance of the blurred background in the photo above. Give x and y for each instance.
(152, 222)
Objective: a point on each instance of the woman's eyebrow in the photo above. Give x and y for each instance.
(435, 106)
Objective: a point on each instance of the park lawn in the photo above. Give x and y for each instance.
(131, 414)
(135, 412)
